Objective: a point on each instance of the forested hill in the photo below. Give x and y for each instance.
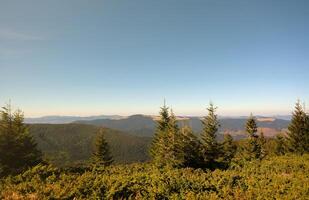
(145, 125)
(69, 143)
(129, 138)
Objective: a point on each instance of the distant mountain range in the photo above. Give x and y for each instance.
(144, 125)
(65, 141)
(66, 119)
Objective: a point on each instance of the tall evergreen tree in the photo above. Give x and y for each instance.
(298, 130)
(101, 152)
(253, 148)
(17, 146)
(211, 148)
(191, 147)
(174, 156)
(166, 145)
(228, 149)
(160, 135)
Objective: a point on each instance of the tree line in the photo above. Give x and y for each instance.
(180, 147)
(172, 145)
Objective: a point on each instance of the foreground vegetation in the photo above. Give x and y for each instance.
(182, 165)
(281, 177)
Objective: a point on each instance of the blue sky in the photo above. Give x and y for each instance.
(124, 57)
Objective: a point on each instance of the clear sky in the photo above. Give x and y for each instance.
(89, 57)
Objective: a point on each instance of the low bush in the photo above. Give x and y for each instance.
(281, 177)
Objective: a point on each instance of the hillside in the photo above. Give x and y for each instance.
(69, 143)
(145, 125)
(129, 137)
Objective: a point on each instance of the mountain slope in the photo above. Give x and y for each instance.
(136, 124)
(145, 125)
(67, 143)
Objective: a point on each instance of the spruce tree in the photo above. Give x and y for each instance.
(228, 150)
(297, 137)
(173, 154)
(160, 136)
(166, 145)
(191, 147)
(18, 148)
(280, 145)
(253, 148)
(101, 152)
(210, 147)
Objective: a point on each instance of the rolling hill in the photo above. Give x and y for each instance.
(129, 138)
(145, 125)
(68, 143)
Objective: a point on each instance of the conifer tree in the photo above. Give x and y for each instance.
(160, 136)
(17, 146)
(191, 147)
(211, 149)
(298, 131)
(228, 149)
(253, 149)
(280, 145)
(101, 152)
(174, 156)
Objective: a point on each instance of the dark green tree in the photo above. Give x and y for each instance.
(101, 152)
(253, 148)
(297, 138)
(166, 147)
(280, 145)
(160, 136)
(191, 147)
(18, 148)
(210, 147)
(229, 149)
(173, 154)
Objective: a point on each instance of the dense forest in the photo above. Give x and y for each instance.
(80, 161)
(70, 144)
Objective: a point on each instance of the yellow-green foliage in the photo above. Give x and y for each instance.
(283, 177)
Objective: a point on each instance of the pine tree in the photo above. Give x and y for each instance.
(174, 156)
(17, 146)
(101, 153)
(280, 145)
(298, 131)
(211, 149)
(166, 146)
(191, 147)
(160, 135)
(228, 149)
(253, 149)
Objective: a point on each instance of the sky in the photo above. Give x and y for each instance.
(78, 57)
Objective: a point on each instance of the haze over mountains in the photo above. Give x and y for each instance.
(54, 119)
(144, 125)
(68, 139)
